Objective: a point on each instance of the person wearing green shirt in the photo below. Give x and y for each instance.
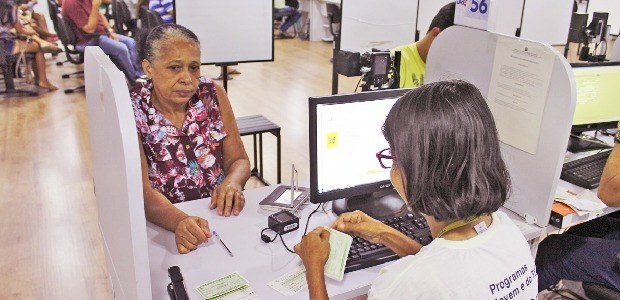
(413, 56)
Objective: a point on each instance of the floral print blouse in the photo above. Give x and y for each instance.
(183, 164)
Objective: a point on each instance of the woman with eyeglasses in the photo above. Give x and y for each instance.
(446, 164)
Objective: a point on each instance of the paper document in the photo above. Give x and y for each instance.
(583, 203)
(339, 244)
(223, 286)
(290, 283)
(518, 90)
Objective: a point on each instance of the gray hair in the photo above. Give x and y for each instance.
(150, 46)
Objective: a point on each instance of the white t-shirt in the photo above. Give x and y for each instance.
(496, 264)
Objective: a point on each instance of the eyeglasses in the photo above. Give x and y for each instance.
(385, 158)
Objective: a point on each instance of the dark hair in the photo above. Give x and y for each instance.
(446, 145)
(444, 18)
(150, 45)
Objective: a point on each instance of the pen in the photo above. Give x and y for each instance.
(220, 239)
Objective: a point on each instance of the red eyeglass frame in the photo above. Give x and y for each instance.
(381, 156)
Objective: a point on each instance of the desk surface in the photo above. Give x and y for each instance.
(258, 262)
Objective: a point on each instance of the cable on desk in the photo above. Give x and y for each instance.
(312, 213)
(267, 239)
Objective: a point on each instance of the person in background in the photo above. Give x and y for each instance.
(587, 252)
(446, 164)
(190, 145)
(281, 7)
(92, 29)
(165, 8)
(9, 21)
(413, 56)
(34, 19)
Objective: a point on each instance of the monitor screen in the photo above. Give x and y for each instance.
(345, 135)
(598, 93)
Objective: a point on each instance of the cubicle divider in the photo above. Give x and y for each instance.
(547, 21)
(611, 7)
(117, 177)
(535, 171)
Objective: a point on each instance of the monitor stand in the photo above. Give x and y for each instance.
(585, 143)
(381, 204)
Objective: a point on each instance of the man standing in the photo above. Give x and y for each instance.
(92, 29)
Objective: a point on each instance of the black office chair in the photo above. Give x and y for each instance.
(153, 19)
(54, 10)
(69, 40)
(598, 291)
(6, 61)
(122, 18)
(335, 17)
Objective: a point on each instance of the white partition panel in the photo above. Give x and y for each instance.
(117, 177)
(547, 21)
(385, 24)
(534, 176)
(231, 30)
(505, 16)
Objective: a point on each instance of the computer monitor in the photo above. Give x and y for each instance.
(345, 135)
(598, 99)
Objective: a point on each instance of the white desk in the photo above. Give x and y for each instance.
(258, 262)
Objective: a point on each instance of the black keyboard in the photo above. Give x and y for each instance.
(364, 254)
(585, 172)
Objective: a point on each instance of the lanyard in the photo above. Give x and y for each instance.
(457, 224)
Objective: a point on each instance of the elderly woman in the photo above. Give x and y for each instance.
(190, 144)
(447, 166)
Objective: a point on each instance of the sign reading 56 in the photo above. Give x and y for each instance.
(478, 6)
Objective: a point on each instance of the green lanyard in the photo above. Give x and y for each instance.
(457, 224)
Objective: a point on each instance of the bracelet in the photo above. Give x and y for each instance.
(617, 137)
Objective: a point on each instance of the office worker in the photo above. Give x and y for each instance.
(447, 166)
(190, 144)
(587, 252)
(413, 56)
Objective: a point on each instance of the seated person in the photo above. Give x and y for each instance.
(9, 21)
(92, 29)
(447, 165)
(280, 7)
(34, 19)
(587, 252)
(190, 144)
(413, 56)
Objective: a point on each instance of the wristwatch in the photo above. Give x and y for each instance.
(617, 137)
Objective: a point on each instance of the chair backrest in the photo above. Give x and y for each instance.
(68, 38)
(121, 16)
(54, 10)
(333, 12)
(154, 19)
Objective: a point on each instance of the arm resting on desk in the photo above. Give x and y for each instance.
(609, 189)
(189, 231)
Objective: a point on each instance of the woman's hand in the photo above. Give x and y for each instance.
(228, 197)
(314, 249)
(191, 232)
(360, 224)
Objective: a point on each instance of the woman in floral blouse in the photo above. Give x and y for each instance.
(191, 147)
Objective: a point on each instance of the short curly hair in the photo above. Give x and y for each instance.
(151, 44)
(447, 149)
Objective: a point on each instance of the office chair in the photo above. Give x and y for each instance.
(598, 291)
(6, 61)
(122, 18)
(335, 17)
(54, 10)
(280, 15)
(69, 41)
